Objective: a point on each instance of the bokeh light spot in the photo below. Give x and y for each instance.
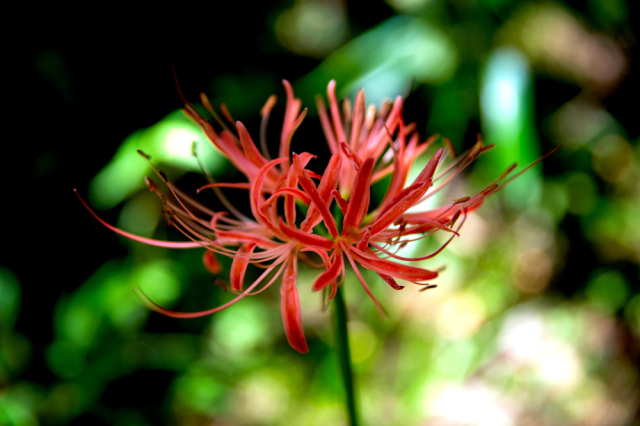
(200, 393)
(583, 193)
(613, 158)
(362, 341)
(312, 27)
(460, 316)
(241, 328)
(532, 271)
(608, 290)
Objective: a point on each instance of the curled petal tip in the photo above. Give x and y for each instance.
(290, 310)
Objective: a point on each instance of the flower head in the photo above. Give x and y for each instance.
(367, 145)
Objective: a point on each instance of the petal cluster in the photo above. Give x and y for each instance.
(367, 145)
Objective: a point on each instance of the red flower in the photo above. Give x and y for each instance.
(378, 144)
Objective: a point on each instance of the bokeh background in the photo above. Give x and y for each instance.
(536, 319)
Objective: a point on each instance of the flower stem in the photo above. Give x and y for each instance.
(344, 355)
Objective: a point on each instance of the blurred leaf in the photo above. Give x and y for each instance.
(65, 360)
(385, 60)
(168, 142)
(17, 405)
(508, 122)
(159, 280)
(241, 328)
(15, 355)
(200, 393)
(245, 93)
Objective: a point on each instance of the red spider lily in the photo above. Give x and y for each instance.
(378, 144)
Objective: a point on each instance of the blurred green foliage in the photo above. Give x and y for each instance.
(535, 321)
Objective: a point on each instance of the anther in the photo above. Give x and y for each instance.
(509, 170)
(428, 286)
(489, 189)
(150, 184)
(447, 143)
(454, 219)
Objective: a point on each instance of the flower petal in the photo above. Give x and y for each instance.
(249, 147)
(393, 269)
(287, 191)
(290, 308)
(430, 168)
(397, 208)
(351, 156)
(211, 263)
(335, 112)
(328, 183)
(358, 120)
(256, 194)
(359, 199)
(310, 188)
(391, 282)
(331, 274)
(239, 266)
(326, 124)
(305, 238)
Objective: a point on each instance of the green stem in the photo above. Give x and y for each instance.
(344, 355)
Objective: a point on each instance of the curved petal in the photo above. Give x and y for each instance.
(249, 147)
(359, 200)
(393, 269)
(328, 183)
(211, 263)
(305, 238)
(239, 266)
(310, 188)
(330, 275)
(290, 308)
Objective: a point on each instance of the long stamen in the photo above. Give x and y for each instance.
(179, 195)
(152, 305)
(415, 259)
(216, 190)
(377, 304)
(150, 241)
(207, 105)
